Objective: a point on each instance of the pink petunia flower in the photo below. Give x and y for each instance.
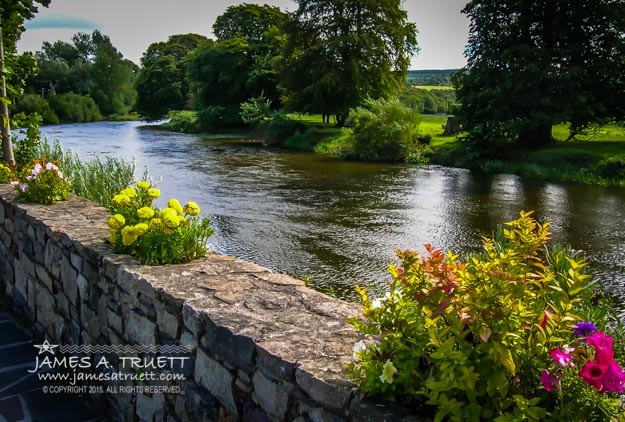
(561, 358)
(549, 381)
(614, 378)
(603, 347)
(593, 373)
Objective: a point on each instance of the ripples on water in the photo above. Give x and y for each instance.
(340, 222)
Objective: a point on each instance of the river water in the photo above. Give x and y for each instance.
(340, 222)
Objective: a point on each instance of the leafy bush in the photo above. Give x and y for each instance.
(45, 184)
(505, 335)
(280, 128)
(215, 117)
(611, 168)
(173, 235)
(182, 121)
(385, 130)
(74, 108)
(6, 174)
(32, 103)
(26, 138)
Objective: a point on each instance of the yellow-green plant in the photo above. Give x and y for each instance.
(6, 174)
(172, 235)
(505, 335)
(44, 184)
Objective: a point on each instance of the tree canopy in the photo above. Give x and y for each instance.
(533, 64)
(162, 84)
(340, 52)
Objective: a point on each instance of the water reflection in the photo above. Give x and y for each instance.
(340, 222)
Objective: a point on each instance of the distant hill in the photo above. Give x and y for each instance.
(434, 77)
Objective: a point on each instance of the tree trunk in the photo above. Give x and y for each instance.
(536, 136)
(7, 146)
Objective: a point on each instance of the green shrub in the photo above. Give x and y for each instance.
(45, 184)
(182, 121)
(32, 103)
(6, 174)
(492, 338)
(74, 108)
(280, 128)
(385, 130)
(173, 235)
(611, 168)
(336, 145)
(26, 139)
(215, 117)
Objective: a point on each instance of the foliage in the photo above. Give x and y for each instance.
(472, 340)
(26, 138)
(45, 184)
(74, 108)
(280, 128)
(335, 146)
(385, 130)
(172, 235)
(97, 180)
(89, 66)
(33, 103)
(182, 121)
(161, 84)
(341, 52)
(6, 174)
(430, 101)
(535, 64)
(159, 89)
(256, 111)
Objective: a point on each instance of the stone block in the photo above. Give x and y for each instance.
(32, 288)
(187, 339)
(68, 277)
(115, 321)
(21, 281)
(52, 258)
(168, 324)
(83, 287)
(270, 396)
(90, 321)
(29, 266)
(90, 271)
(274, 366)
(76, 261)
(43, 276)
(45, 307)
(62, 305)
(333, 395)
(193, 319)
(238, 350)
(140, 330)
(217, 380)
(150, 408)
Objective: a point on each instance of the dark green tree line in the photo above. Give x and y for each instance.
(536, 63)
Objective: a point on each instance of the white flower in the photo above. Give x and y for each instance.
(376, 303)
(568, 349)
(357, 350)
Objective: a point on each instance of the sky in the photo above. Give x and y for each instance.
(133, 25)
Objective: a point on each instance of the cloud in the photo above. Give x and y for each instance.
(61, 21)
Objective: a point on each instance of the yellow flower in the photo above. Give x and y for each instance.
(129, 192)
(156, 223)
(174, 204)
(145, 213)
(116, 221)
(182, 220)
(191, 209)
(167, 231)
(388, 370)
(143, 185)
(154, 193)
(128, 239)
(121, 200)
(113, 237)
(140, 229)
(171, 220)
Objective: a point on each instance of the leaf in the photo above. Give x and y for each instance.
(485, 334)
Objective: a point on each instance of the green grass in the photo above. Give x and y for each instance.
(434, 87)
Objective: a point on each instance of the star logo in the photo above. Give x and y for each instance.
(46, 347)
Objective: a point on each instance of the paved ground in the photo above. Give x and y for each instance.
(21, 396)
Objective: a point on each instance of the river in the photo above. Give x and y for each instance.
(340, 222)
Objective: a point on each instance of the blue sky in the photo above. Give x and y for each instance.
(133, 25)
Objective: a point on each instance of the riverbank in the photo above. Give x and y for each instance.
(596, 159)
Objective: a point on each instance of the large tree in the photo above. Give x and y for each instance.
(162, 84)
(340, 52)
(12, 16)
(536, 63)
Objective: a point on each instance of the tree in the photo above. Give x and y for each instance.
(533, 64)
(12, 17)
(162, 84)
(159, 89)
(341, 52)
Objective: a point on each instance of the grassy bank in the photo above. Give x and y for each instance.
(597, 159)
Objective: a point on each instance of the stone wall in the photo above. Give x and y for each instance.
(259, 345)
